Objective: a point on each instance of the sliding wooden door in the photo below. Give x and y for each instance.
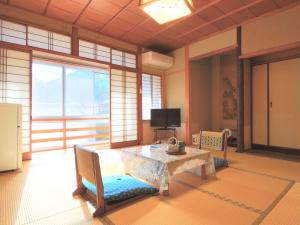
(285, 103)
(259, 104)
(276, 104)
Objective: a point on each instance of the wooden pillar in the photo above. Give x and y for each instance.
(240, 94)
(139, 96)
(187, 106)
(75, 41)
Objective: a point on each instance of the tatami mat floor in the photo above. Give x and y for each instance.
(254, 190)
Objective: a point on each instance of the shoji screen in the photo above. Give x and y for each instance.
(49, 40)
(94, 51)
(12, 32)
(151, 94)
(123, 58)
(123, 106)
(15, 86)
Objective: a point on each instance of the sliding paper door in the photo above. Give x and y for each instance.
(285, 103)
(123, 108)
(15, 86)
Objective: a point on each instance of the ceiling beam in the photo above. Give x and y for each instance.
(82, 11)
(47, 7)
(115, 16)
(218, 18)
(172, 24)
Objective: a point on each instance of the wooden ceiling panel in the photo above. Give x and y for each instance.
(229, 5)
(282, 3)
(91, 16)
(242, 16)
(211, 13)
(114, 31)
(200, 3)
(191, 36)
(134, 7)
(67, 10)
(31, 5)
(90, 23)
(125, 20)
(193, 21)
(122, 25)
(152, 26)
(263, 7)
(131, 17)
(120, 3)
(104, 6)
(179, 28)
(140, 34)
(208, 29)
(224, 23)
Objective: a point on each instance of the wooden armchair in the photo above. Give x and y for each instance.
(110, 191)
(216, 141)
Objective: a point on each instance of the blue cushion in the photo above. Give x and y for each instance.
(121, 187)
(219, 162)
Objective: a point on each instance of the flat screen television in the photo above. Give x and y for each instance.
(165, 118)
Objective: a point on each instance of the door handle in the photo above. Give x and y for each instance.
(271, 104)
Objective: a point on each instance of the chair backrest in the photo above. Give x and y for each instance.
(88, 167)
(213, 140)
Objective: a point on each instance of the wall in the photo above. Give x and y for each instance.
(201, 95)
(278, 30)
(216, 102)
(207, 90)
(175, 87)
(215, 43)
(174, 83)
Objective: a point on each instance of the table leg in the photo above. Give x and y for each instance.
(203, 172)
(166, 192)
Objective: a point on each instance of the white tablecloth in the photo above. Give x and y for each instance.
(152, 164)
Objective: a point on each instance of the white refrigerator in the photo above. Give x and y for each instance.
(10, 136)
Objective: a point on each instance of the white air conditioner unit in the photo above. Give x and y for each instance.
(157, 60)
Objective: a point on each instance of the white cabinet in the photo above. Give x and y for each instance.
(10, 136)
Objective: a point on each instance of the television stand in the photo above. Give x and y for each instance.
(163, 133)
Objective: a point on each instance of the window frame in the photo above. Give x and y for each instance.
(64, 66)
(161, 91)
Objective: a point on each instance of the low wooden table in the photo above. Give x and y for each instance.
(153, 164)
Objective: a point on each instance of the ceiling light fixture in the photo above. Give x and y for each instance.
(163, 11)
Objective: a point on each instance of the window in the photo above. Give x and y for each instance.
(151, 94)
(47, 90)
(70, 105)
(86, 93)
